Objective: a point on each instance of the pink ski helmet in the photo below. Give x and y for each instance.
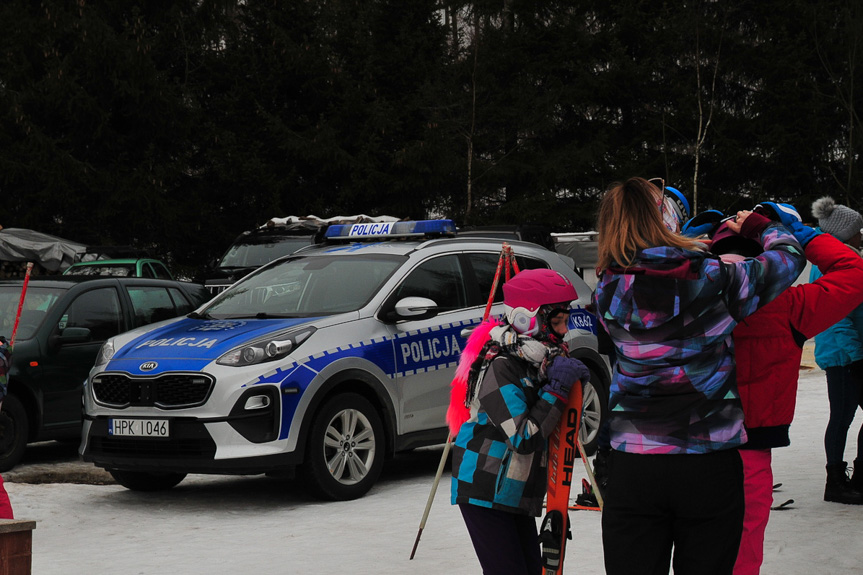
(528, 290)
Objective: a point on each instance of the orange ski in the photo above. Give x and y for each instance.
(562, 452)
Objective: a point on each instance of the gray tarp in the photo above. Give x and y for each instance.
(52, 253)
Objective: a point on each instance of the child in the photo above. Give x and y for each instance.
(839, 352)
(769, 346)
(517, 389)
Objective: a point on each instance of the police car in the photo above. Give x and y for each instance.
(327, 361)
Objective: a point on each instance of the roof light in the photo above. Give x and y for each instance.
(382, 230)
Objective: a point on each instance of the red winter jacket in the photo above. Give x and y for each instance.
(769, 343)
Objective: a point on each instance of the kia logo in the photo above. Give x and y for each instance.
(148, 366)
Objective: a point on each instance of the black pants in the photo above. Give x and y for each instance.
(845, 394)
(505, 543)
(691, 503)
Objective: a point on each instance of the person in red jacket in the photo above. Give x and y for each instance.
(769, 347)
(5, 353)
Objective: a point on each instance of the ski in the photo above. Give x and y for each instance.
(776, 486)
(578, 507)
(562, 451)
(783, 506)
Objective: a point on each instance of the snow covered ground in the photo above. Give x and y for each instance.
(218, 525)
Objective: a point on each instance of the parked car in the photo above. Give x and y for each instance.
(64, 322)
(535, 233)
(328, 360)
(278, 237)
(123, 267)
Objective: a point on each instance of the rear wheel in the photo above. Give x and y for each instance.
(146, 481)
(345, 450)
(14, 431)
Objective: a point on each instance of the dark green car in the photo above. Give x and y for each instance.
(63, 323)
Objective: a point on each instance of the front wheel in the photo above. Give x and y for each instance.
(146, 481)
(345, 450)
(14, 430)
(595, 412)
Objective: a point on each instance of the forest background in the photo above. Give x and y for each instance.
(176, 125)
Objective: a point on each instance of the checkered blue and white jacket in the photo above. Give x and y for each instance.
(500, 453)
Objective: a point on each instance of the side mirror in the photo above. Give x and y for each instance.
(415, 308)
(74, 335)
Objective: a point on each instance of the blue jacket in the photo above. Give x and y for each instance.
(841, 344)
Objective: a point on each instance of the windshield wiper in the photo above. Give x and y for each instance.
(196, 315)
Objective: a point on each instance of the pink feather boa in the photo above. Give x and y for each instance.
(458, 412)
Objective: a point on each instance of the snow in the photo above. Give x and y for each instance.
(217, 524)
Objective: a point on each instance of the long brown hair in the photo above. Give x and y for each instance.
(629, 220)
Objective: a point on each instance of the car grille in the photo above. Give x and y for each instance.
(170, 391)
(149, 449)
(217, 289)
(189, 441)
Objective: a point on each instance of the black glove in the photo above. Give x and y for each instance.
(562, 375)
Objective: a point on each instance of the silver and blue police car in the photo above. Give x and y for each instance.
(327, 362)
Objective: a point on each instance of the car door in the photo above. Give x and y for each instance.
(427, 350)
(66, 366)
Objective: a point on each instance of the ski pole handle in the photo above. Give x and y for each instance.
(20, 305)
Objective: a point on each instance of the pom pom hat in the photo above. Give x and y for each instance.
(837, 220)
(528, 291)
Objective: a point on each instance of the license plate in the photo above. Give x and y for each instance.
(138, 427)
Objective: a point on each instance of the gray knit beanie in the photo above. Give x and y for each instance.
(839, 221)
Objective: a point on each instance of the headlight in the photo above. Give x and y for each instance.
(106, 352)
(262, 350)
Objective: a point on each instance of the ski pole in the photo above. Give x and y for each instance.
(506, 259)
(590, 475)
(437, 477)
(20, 305)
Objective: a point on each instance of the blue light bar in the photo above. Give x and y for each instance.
(384, 230)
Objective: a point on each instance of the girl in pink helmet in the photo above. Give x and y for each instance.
(516, 389)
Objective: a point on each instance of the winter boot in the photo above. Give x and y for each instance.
(857, 476)
(838, 488)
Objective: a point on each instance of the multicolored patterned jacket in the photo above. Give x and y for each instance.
(670, 316)
(500, 454)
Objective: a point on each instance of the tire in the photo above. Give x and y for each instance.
(146, 481)
(594, 413)
(345, 450)
(14, 432)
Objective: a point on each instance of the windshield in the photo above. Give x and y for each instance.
(262, 251)
(116, 270)
(306, 287)
(36, 304)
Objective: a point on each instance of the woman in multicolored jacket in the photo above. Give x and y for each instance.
(675, 475)
(516, 390)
